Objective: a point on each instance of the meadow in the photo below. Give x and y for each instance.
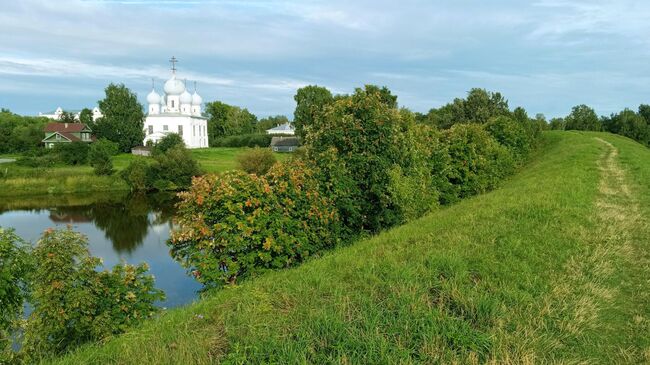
(552, 267)
(18, 180)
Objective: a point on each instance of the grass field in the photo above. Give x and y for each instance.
(553, 267)
(19, 180)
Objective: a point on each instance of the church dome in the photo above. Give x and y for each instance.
(196, 99)
(174, 86)
(186, 98)
(153, 97)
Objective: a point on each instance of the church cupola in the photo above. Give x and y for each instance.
(154, 100)
(197, 100)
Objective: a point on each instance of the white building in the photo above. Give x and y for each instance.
(285, 129)
(177, 111)
(56, 114)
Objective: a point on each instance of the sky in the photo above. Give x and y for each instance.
(544, 55)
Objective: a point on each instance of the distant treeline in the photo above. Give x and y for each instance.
(628, 123)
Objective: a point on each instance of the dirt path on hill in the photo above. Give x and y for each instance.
(577, 316)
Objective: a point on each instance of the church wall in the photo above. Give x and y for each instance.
(194, 130)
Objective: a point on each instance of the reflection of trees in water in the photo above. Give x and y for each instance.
(126, 222)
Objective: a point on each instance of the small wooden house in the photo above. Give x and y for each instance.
(284, 144)
(66, 133)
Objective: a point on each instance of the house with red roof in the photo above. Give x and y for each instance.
(66, 133)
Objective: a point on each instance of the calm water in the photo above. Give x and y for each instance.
(118, 226)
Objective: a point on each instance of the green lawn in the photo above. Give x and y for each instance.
(553, 267)
(19, 180)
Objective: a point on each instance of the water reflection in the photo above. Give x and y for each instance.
(133, 228)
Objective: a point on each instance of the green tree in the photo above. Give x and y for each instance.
(227, 120)
(73, 153)
(123, 119)
(479, 107)
(582, 118)
(557, 124)
(86, 116)
(310, 102)
(168, 142)
(68, 117)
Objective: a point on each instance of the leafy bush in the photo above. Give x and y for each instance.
(256, 161)
(512, 135)
(73, 153)
(137, 175)
(176, 166)
(478, 161)
(111, 148)
(73, 303)
(170, 170)
(15, 266)
(168, 142)
(238, 224)
(99, 157)
(243, 140)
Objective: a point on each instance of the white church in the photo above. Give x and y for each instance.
(177, 111)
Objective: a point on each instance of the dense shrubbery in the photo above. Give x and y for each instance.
(239, 224)
(99, 156)
(172, 167)
(15, 267)
(73, 153)
(257, 161)
(72, 302)
(20, 133)
(243, 140)
(368, 166)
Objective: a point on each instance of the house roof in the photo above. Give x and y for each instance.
(286, 127)
(65, 127)
(284, 141)
(69, 136)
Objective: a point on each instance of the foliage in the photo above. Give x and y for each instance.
(256, 161)
(20, 133)
(123, 119)
(73, 153)
(137, 175)
(478, 161)
(227, 120)
(99, 157)
(243, 140)
(68, 117)
(74, 303)
(168, 142)
(629, 124)
(512, 135)
(479, 107)
(15, 268)
(174, 169)
(310, 102)
(169, 170)
(238, 224)
(86, 116)
(557, 124)
(356, 142)
(582, 118)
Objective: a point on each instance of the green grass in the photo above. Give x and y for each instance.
(552, 267)
(18, 180)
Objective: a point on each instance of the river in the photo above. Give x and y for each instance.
(119, 227)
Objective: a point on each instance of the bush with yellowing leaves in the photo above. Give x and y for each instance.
(237, 225)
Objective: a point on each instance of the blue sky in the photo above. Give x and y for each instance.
(544, 55)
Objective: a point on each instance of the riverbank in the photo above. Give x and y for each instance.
(520, 275)
(18, 180)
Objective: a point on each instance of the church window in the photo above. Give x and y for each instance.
(194, 130)
(180, 130)
(165, 128)
(172, 103)
(150, 129)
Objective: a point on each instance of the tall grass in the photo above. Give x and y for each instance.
(479, 281)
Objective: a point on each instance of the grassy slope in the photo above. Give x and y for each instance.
(524, 274)
(18, 180)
